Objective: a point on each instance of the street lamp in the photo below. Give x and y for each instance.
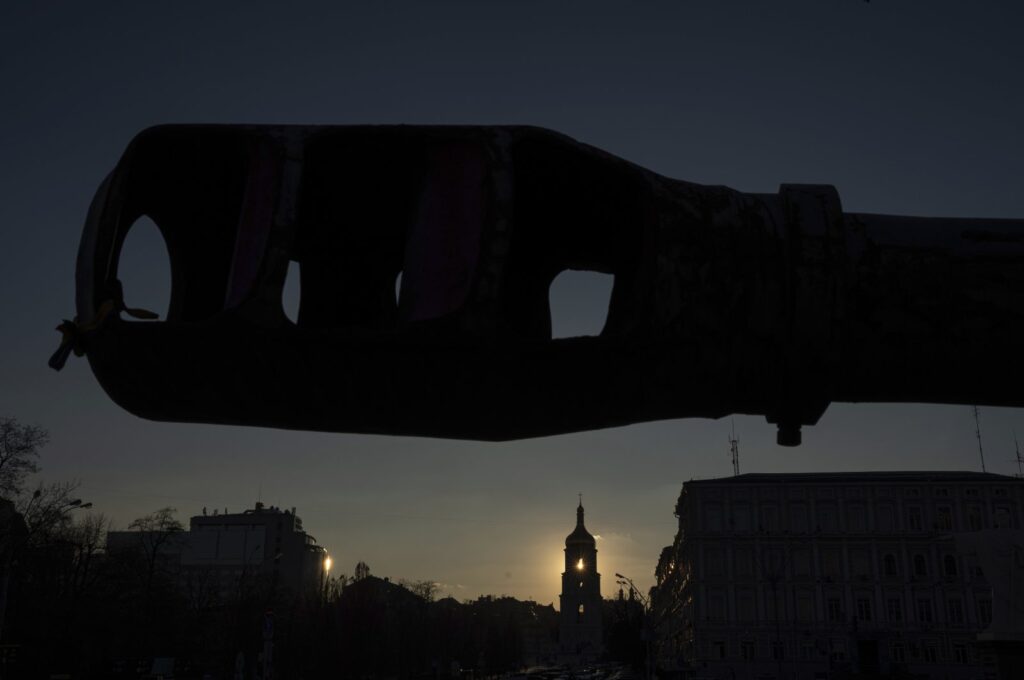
(645, 621)
(626, 581)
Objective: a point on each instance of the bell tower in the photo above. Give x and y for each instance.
(580, 601)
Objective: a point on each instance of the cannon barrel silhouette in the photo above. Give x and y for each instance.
(723, 302)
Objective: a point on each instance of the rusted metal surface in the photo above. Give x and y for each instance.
(723, 302)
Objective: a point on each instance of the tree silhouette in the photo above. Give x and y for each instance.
(424, 589)
(19, 449)
(47, 511)
(156, 531)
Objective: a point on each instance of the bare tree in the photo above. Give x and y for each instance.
(19, 449)
(12, 535)
(201, 588)
(87, 537)
(161, 521)
(424, 589)
(156, 531)
(334, 587)
(47, 511)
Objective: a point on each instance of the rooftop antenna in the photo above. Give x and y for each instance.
(977, 433)
(1020, 461)
(734, 448)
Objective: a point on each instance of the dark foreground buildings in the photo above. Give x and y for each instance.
(833, 575)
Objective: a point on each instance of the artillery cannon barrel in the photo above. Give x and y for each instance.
(723, 301)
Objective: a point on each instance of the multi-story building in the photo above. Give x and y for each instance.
(227, 555)
(820, 575)
(265, 542)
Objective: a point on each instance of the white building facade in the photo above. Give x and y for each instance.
(823, 575)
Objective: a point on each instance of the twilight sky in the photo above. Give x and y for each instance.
(914, 108)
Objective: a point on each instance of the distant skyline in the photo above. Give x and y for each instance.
(905, 108)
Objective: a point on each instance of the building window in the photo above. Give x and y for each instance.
(1000, 491)
(778, 651)
(769, 519)
(863, 609)
(716, 607)
(835, 610)
(913, 492)
(798, 518)
(960, 653)
(1002, 518)
(894, 609)
(805, 607)
(914, 520)
(741, 517)
(955, 612)
(772, 563)
(771, 606)
(949, 565)
(920, 566)
(747, 650)
(715, 561)
(745, 607)
(837, 649)
(974, 519)
(801, 562)
(832, 562)
(889, 565)
(898, 653)
(860, 561)
(985, 612)
(924, 611)
(713, 517)
(718, 649)
(855, 518)
(942, 492)
(885, 519)
(826, 517)
(944, 518)
(971, 492)
(744, 562)
(930, 653)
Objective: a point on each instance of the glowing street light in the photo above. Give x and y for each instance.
(327, 563)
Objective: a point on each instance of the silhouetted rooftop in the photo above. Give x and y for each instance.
(580, 533)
